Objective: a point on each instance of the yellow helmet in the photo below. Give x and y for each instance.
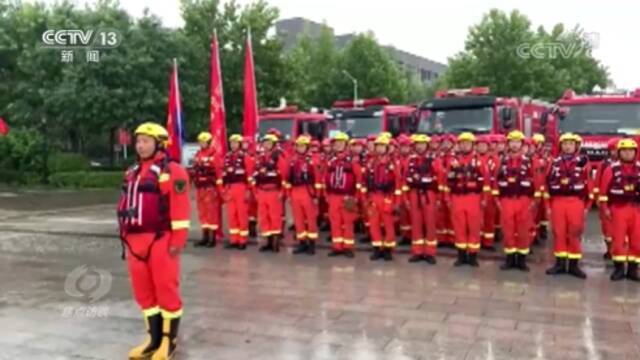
(235, 137)
(303, 140)
(570, 137)
(155, 131)
(382, 140)
(466, 136)
(538, 138)
(270, 137)
(516, 135)
(340, 136)
(420, 138)
(386, 134)
(627, 144)
(204, 136)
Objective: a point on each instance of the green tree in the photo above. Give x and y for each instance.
(494, 57)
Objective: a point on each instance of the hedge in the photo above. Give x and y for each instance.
(15, 177)
(86, 179)
(67, 162)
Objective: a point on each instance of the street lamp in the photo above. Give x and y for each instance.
(355, 86)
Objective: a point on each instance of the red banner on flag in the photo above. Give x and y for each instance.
(174, 117)
(250, 115)
(217, 116)
(4, 128)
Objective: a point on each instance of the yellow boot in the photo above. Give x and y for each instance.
(168, 345)
(153, 323)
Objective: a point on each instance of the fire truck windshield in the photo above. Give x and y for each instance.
(476, 120)
(602, 119)
(284, 125)
(359, 127)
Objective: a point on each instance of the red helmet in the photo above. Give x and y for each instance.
(326, 142)
(247, 139)
(500, 138)
(483, 139)
(436, 139)
(315, 143)
(612, 144)
(274, 131)
(404, 140)
(371, 138)
(361, 142)
(529, 141)
(449, 137)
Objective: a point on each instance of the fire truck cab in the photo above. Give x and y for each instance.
(366, 117)
(292, 123)
(598, 117)
(476, 110)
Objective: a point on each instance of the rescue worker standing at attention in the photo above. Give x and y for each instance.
(620, 203)
(268, 180)
(568, 189)
(421, 192)
(517, 196)
(605, 223)
(302, 181)
(466, 189)
(341, 182)
(153, 214)
(203, 177)
(236, 170)
(383, 188)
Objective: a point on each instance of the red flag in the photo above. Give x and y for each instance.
(250, 116)
(217, 121)
(4, 128)
(174, 117)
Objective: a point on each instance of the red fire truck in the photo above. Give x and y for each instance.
(477, 111)
(599, 117)
(366, 117)
(291, 123)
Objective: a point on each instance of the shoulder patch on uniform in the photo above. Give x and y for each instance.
(180, 186)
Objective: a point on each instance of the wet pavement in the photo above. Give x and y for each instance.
(65, 295)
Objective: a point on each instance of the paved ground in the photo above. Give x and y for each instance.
(65, 295)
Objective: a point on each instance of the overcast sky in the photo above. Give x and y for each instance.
(437, 29)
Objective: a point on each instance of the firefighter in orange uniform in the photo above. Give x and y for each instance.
(232, 182)
(267, 181)
(382, 184)
(302, 181)
(249, 149)
(466, 189)
(203, 176)
(620, 203)
(357, 149)
(541, 166)
(517, 194)
(341, 182)
(605, 223)
(404, 218)
(489, 225)
(569, 190)
(421, 193)
(445, 157)
(153, 214)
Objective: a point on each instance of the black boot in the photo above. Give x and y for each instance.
(559, 268)
(543, 234)
(462, 258)
(574, 269)
(169, 341)
(205, 239)
(212, 240)
(521, 262)
(430, 259)
(365, 239)
(618, 271)
(253, 228)
(303, 247)
(415, 258)
(387, 254)
(473, 259)
(632, 271)
(276, 242)
(241, 246)
(349, 253)
(334, 253)
(230, 245)
(377, 254)
(311, 249)
(509, 262)
(153, 324)
(268, 246)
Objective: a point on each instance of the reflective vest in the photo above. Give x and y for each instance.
(267, 173)
(204, 174)
(340, 177)
(420, 174)
(625, 184)
(234, 168)
(465, 178)
(380, 176)
(568, 177)
(142, 207)
(515, 180)
(301, 171)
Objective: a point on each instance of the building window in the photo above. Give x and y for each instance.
(425, 75)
